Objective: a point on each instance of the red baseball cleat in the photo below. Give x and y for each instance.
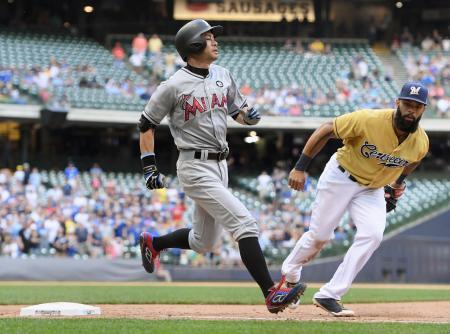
(149, 254)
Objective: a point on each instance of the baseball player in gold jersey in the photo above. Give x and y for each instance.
(381, 148)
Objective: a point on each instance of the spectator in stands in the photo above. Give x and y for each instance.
(169, 64)
(96, 174)
(96, 241)
(395, 44)
(61, 243)
(82, 234)
(137, 61)
(443, 107)
(27, 239)
(35, 178)
(71, 173)
(139, 44)
(118, 52)
(265, 185)
(437, 39)
(360, 68)
(317, 46)
(154, 45)
(26, 173)
(10, 247)
(6, 75)
(427, 43)
(446, 44)
(19, 174)
(406, 37)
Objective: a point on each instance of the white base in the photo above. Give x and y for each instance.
(59, 309)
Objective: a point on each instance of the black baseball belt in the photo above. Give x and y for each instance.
(217, 156)
(351, 177)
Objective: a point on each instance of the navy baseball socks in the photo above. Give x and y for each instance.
(175, 239)
(277, 296)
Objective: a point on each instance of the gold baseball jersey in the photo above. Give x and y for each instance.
(371, 151)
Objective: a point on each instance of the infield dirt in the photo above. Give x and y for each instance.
(414, 312)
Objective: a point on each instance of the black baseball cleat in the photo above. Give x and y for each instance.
(333, 307)
(149, 254)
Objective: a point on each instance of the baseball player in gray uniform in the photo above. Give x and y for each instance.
(197, 100)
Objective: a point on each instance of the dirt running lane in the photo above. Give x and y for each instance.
(414, 312)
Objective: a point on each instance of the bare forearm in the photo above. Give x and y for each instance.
(406, 171)
(318, 139)
(240, 118)
(147, 141)
(410, 168)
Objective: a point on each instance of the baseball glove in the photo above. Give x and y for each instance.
(391, 195)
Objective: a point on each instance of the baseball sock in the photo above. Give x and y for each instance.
(254, 261)
(176, 239)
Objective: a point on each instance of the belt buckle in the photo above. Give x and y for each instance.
(222, 155)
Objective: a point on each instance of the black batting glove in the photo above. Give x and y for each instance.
(153, 178)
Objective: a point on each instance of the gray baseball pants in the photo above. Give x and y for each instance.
(216, 208)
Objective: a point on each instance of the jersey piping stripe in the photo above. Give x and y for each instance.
(193, 74)
(149, 118)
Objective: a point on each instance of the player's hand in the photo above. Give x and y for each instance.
(153, 178)
(392, 193)
(251, 116)
(394, 190)
(297, 179)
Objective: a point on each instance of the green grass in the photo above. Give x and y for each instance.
(103, 294)
(111, 326)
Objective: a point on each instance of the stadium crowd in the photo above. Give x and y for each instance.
(430, 64)
(356, 85)
(287, 101)
(105, 217)
(8, 92)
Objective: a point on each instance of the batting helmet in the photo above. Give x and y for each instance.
(188, 39)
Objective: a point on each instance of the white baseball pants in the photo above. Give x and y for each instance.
(336, 193)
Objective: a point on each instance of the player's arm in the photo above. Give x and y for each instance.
(238, 108)
(159, 105)
(247, 116)
(147, 141)
(395, 190)
(313, 146)
(399, 183)
(153, 178)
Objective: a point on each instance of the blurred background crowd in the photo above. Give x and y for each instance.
(94, 214)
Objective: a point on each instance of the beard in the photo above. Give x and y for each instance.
(404, 125)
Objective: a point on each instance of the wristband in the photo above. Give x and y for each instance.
(303, 163)
(401, 178)
(148, 160)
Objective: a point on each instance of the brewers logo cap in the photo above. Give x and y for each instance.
(414, 91)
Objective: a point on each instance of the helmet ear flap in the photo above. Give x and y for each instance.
(197, 46)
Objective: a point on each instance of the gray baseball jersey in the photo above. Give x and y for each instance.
(196, 107)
